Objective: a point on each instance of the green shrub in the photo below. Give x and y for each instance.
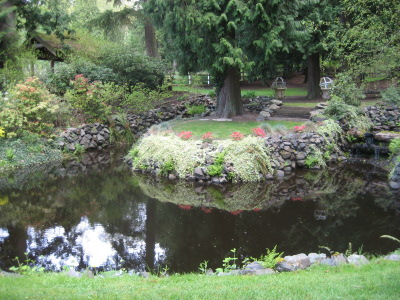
(215, 170)
(29, 107)
(86, 97)
(142, 98)
(60, 81)
(353, 116)
(167, 168)
(195, 109)
(394, 146)
(271, 258)
(346, 89)
(132, 68)
(391, 96)
(120, 130)
(217, 167)
(10, 154)
(315, 158)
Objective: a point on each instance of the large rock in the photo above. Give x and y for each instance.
(276, 102)
(199, 174)
(265, 114)
(273, 107)
(335, 260)
(293, 263)
(316, 257)
(395, 257)
(357, 260)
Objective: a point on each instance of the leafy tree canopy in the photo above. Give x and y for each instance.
(368, 37)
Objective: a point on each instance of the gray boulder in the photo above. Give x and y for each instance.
(316, 258)
(357, 260)
(395, 257)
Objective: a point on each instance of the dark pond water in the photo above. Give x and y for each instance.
(103, 216)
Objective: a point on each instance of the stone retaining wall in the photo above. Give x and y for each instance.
(97, 136)
(384, 117)
(286, 153)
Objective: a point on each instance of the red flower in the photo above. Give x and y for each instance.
(236, 212)
(207, 136)
(257, 209)
(259, 132)
(299, 128)
(237, 136)
(185, 135)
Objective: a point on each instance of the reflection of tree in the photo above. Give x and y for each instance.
(334, 190)
(206, 223)
(14, 246)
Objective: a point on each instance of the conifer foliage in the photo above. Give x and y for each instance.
(225, 37)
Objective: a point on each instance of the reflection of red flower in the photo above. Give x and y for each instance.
(206, 210)
(257, 209)
(236, 212)
(296, 199)
(185, 207)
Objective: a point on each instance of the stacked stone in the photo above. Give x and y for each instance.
(287, 153)
(266, 107)
(384, 117)
(91, 136)
(97, 136)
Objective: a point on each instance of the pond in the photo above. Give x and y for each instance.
(95, 213)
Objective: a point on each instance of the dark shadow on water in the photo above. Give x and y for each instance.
(108, 218)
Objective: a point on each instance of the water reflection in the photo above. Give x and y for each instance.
(85, 245)
(109, 219)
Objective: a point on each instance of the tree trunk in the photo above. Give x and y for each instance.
(313, 77)
(229, 98)
(150, 38)
(150, 233)
(8, 28)
(305, 75)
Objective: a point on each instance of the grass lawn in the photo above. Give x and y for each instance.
(260, 92)
(223, 130)
(298, 104)
(377, 280)
(313, 104)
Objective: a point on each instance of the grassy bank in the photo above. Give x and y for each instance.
(377, 280)
(223, 130)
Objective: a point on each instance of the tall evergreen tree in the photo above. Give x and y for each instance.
(8, 33)
(226, 36)
(318, 18)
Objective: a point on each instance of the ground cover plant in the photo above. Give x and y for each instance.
(223, 130)
(26, 151)
(376, 280)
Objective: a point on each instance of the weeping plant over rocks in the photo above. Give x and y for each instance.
(247, 160)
